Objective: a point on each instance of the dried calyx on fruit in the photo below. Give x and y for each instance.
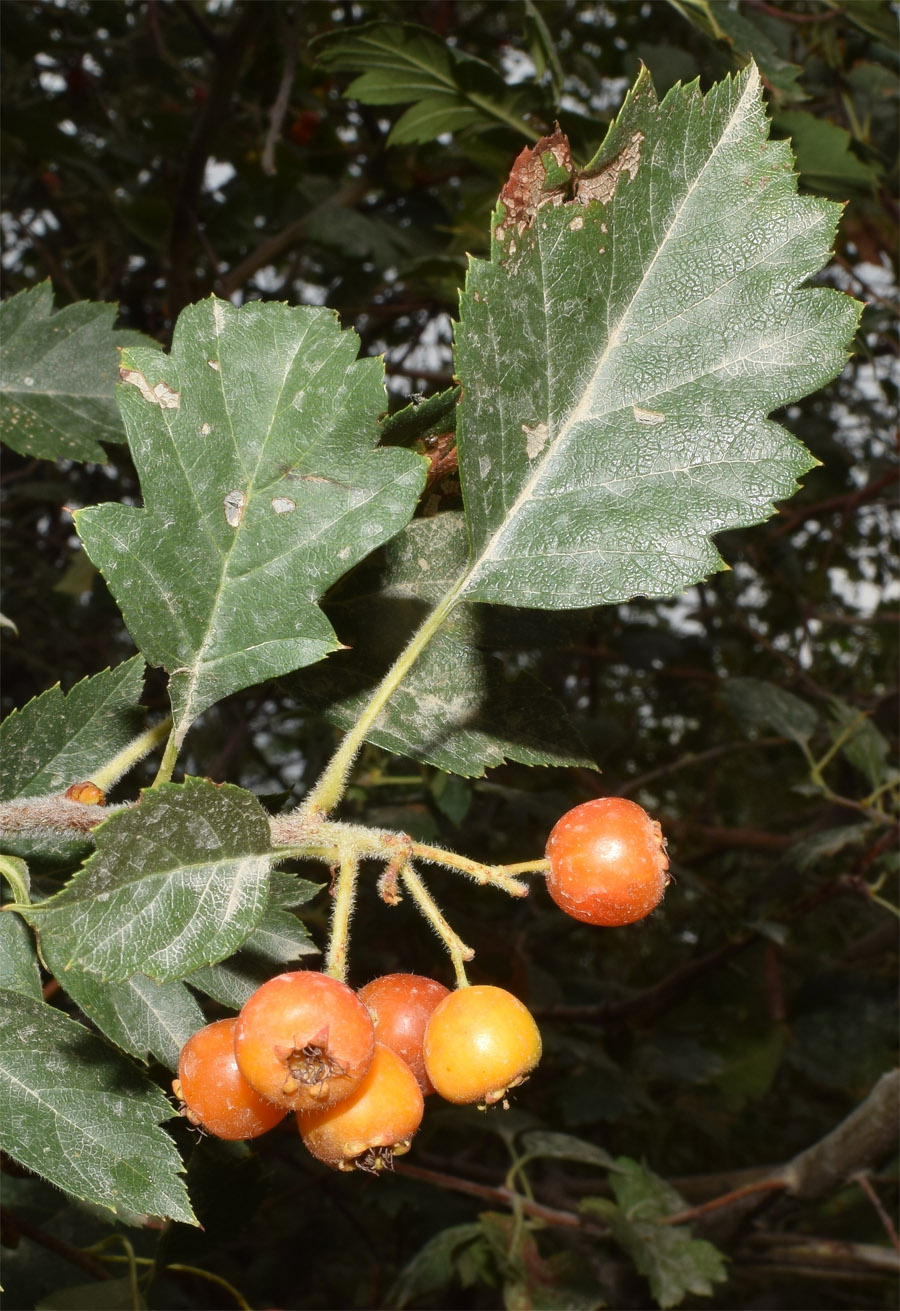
(374, 1124)
(304, 1040)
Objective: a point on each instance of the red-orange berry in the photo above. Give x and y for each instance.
(374, 1124)
(480, 1042)
(213, 1092)
(401, 1006)
(608, 862)
(304, 1040)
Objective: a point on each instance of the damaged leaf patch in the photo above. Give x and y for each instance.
(622, 349)
(544, 175)
(160, 393)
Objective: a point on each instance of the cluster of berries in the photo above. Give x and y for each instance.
(356, 1068)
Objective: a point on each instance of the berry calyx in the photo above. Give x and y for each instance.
(214, 1095)
(304, 1040)
(374, 1124)
(401, 1006)
(608, 862)
(480, 1042)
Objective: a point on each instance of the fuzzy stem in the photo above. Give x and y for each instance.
(344, 897)
(498, 875)
(18, 882)
(457, 949)
(170, 755)
(884, 903)
(129, 756)
(528, 867)
(331, 785)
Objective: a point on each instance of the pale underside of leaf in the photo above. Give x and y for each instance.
(619, 358)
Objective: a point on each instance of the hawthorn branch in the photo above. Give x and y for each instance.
(13, 1225)
(283, 98)
(858, 1143)
(846, 502)
(866, 1136)
(503, 1196)
(268, 251)
(865, 1184)
(818, 1258)
(230, 55)
(53, 813)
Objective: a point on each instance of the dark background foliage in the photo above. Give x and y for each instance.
(756, 1008)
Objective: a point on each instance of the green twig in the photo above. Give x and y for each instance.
(458, 951)
(9, 868)
(331, 785)
(344, 898)
(170, 755)
(129, 756)
(883, 903)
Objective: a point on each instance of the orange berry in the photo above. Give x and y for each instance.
(480, 1042)
(214, 1093)
(401, 1006)
(608, 862)
(304, 1040)
(374, 1124)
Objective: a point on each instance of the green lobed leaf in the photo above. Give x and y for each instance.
(420, 420)
(83, 1118)
(234, 981)
(674, 1263)
(809, 851)
(748, 36)
(434, 1264)
(620, 352)
(141, 1016)
(279, 939)
(863, 745)
(758, 703)
(177, 882)
(401, 62)
(539, 1143)
(255, 441)
(288, 890)
(18, 959)
(458, 708)
(62, 738)
(58, 374)
(824, 158)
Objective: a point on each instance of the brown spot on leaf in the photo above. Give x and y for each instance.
(536, 435)
(160, 393)
(234, 503)
(602, 186)
(524, 190)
